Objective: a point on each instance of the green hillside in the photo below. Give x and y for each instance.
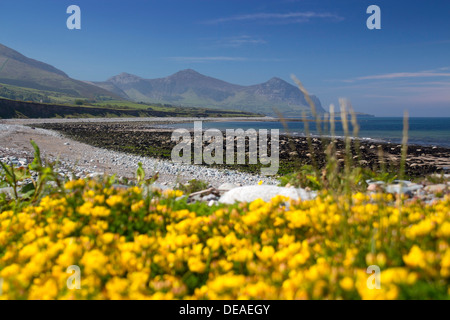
(20, 109)
(19, 71)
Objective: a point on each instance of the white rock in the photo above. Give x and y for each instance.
(266, 193)
(227, 187)
(211, 203)
(397, 188)
(95, 175)
(159, 186)
(436, 188)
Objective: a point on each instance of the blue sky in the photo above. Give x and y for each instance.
(405, 65)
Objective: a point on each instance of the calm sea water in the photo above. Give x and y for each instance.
(422, 131)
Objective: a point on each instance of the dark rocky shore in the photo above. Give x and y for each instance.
(141, 139)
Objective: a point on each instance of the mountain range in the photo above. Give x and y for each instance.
(190, 88)
(186, 88)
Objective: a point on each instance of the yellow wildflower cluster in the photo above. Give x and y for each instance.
(129, 245)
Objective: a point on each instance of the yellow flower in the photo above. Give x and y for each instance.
(116, 288)
(108, 237)
(444, 229)
(47, 291)
(94, 262)
(423, 228)
(68, 226)
(114, 200)
(196, 265)
(445, 263)
(226, 282)
(347, 284)
(10, 271)
(280, 249)
(86, 209)
(173, 193)
(266, 253)
(72, 184)
(100, 211)
(135, 207)
(415, 258)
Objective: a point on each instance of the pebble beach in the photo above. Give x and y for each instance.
(82, 160)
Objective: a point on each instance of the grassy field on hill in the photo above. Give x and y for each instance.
(55, 104)
(34, 95)
(10, 109)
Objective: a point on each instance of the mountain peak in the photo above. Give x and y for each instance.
(124, 78)
(123, 74)
(187, 73)
(275, 80)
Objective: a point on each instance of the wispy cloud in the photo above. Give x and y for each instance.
(205, 59)
(404, 75)
(446, 41)
(283, 18)
(222, 59)
(240, 41)
(402, 91)
(401, 75)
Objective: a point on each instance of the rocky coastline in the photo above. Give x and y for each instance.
(87, 148)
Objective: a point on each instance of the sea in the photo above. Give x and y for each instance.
(422, 131)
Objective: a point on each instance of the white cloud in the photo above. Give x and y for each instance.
(206, 59)
(399, 76)
(292, 17)
(222, 59)
(404, 75)
(240, 41)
